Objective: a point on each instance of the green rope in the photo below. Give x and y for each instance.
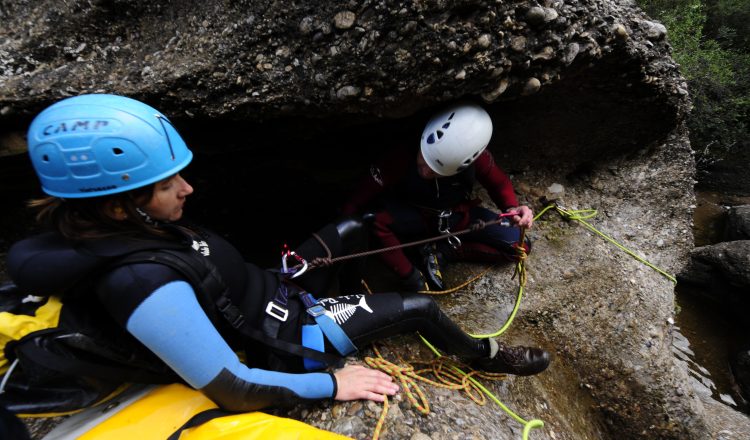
(583, 214)
(527, 425)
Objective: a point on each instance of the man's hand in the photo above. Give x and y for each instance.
(358, 382)
(524, 216)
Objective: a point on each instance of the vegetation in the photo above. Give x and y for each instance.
(710, 41)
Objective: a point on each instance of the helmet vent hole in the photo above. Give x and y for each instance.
(467, 161)
(431, 139)
(475, 155)
(117, 151)
(439, 163)
(451, 116)
(45, 158)
(439, 134)
(446, 125)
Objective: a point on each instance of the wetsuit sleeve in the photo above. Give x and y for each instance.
(383, 174)
(172, 324)
(495, 181)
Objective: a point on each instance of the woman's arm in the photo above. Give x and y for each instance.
(172, 324)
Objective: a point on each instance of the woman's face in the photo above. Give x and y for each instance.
(168, 199)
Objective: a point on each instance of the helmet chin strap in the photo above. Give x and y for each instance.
(146, 218)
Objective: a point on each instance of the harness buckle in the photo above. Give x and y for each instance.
(276, 311)
(316, 310)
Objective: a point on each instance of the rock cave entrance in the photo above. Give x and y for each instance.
(265, 183)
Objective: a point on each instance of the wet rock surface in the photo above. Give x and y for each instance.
(285, 104)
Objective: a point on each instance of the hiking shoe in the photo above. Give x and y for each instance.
(432, 259)
(414, 282)
(518, 360)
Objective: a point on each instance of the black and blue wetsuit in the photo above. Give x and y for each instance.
(159, 306)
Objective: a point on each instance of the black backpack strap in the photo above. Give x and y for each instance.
(199, 419)
(207, 282)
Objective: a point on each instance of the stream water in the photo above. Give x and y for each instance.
(706, 336)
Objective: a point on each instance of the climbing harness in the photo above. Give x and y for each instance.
(277, 309)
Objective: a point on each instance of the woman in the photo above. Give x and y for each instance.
(111, 167)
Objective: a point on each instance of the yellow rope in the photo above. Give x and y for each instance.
(457, 288)
(447, 375)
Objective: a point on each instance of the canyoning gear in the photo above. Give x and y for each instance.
(148, 294)
(63, 264)
(407, 207)
(401, 222)
(454, 138)
(432, 260)
(99, 144)
(518, 360)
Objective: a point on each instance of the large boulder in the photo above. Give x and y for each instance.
(285, 103)
(738, 223)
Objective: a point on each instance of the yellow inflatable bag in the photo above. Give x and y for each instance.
(161, 412)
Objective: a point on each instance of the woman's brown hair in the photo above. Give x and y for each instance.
(88, 218)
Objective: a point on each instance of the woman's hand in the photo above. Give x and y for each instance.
(358, 382)
(524, 216)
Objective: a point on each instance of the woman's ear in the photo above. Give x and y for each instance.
(115, 210)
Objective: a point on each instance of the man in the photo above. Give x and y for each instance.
(429, 192)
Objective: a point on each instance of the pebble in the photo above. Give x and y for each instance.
(532, 86)
(348, 92)
(518, 43)
(496, 92)
(344, 19)
(484, 41)
(306, 25)
(654, 31)
(535, 15)
(555, 191)
(571, 52)
(620, 31)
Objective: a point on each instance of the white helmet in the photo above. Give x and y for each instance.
(455, 137)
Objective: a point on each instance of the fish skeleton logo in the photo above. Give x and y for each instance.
(342, 311)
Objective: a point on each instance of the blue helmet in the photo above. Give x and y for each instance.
(95, 145)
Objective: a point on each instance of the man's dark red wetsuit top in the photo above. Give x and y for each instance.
(397, 175)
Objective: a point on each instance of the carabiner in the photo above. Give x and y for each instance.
(285, 269)
(444, 221)
(454, 241)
